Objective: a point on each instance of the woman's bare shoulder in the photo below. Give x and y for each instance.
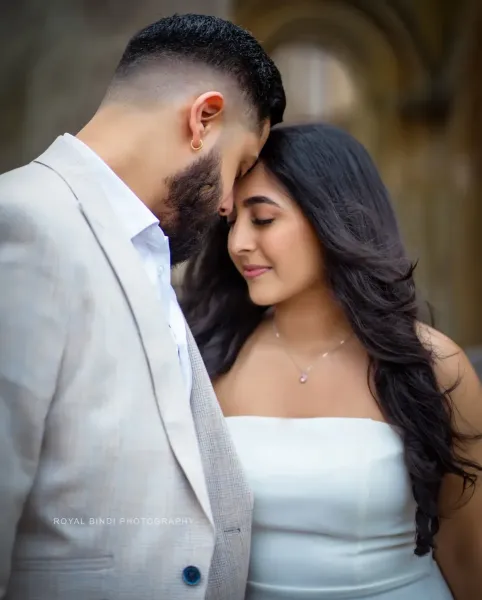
(450, 361)
(453, 369)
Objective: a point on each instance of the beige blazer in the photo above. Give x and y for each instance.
(111, 482)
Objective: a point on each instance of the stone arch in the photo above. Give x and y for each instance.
(386, 63)
(368, 36)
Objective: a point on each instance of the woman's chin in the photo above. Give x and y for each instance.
(263, 297)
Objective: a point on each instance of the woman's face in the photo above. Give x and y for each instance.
(271, 242)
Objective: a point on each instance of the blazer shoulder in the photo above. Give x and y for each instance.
(35, 185)
(37, 197)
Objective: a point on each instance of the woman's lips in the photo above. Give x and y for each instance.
(253, 271)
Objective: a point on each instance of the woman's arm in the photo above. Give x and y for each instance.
(459, 541)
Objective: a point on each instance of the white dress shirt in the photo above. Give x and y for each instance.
(149, 240)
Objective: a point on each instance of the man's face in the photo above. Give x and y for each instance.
(203, 190)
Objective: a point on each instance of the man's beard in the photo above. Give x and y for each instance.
(192, 206)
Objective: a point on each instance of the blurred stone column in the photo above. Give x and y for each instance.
(431, 180)
(21, 23)
(317, 83)
(466, 135)
(431, 220)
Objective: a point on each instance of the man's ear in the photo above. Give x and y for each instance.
(205, 109)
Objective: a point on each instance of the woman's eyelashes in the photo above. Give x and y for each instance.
(261, 222)
(254, 221)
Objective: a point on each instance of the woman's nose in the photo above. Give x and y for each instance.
(241, 239)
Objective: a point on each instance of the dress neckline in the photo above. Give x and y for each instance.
(316, 420)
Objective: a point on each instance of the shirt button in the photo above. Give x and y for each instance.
(191, 575)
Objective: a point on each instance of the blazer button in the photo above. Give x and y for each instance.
(191, 575)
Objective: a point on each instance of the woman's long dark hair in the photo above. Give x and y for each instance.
(334, 181)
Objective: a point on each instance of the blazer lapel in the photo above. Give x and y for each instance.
(158, 344)
(228, 487)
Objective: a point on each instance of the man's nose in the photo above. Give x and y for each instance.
(227, 205)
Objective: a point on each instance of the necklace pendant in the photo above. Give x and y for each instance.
(304, 377)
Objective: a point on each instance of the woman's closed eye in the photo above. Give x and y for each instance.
(261, 222)
(254, 221)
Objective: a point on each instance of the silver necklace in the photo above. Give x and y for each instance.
(304, 373)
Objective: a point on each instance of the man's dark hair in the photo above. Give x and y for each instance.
(217, 44)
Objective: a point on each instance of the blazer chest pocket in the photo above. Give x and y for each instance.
(59, 579)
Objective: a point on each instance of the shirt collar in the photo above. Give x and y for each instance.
(133, 214)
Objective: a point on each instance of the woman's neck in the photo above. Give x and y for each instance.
(311, 321)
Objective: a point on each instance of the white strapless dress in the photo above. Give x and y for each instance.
(334, 516)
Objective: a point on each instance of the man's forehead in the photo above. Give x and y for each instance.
(265, 129)
(256, 141)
